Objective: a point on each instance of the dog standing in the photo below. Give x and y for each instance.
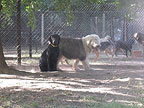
(125, 45)
(78, 48)
(49, 58)
(106, 46)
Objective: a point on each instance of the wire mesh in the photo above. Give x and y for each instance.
(101, 20)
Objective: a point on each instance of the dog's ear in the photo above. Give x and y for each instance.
(49, 40)
(136, 36)
(53, 40)
(89, 42)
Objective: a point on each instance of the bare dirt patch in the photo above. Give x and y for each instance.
(119, 80)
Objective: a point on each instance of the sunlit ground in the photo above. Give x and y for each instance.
(118, 80)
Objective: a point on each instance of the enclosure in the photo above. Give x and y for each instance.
(113, 83)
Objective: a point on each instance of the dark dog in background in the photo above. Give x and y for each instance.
(139, 37)
(49, 58)
(125, 45)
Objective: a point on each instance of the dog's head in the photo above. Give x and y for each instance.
(139, 37)
(107, 38)
(136, 36)
(92, 41)
(54, 40)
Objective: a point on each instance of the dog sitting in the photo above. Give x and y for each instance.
(49, 58)
(139, 37)
(125, 45)
(78, 48)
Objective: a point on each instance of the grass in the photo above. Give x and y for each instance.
(110, 105)
(5, 102)
(51, 99)
(34, 105)
(31, 105)
(88, 102)
(94, 102)
(116, 105)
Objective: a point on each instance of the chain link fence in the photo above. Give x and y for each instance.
(87, 20)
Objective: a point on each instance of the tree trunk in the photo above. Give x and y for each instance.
(19, 31)
(3, 64)
(2, 59)
(4, 68)
(30, 43)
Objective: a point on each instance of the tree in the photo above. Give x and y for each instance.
(9, 7)
(3, 64)
(19, 31)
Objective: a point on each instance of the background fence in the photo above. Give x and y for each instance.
(86, 20)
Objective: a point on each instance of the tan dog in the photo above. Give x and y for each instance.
(106, 46)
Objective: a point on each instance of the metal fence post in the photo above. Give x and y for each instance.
(103, 27)
(42, 29)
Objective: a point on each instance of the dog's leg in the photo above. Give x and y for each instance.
(96, 55)
(60, 59)
(126, 53)
(58, 62)
(116, 52)
(110, 52)
(113, 51)
(86, 65)
(107, 52)
(117, 49)
(75, 64)
(130, 52)
(67, 62)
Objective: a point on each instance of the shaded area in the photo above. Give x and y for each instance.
(118, 80)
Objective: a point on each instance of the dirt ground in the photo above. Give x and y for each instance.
(120, 80)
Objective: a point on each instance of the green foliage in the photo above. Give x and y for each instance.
(68, 6)
(30, 6)
(130, 7)
(9, 7)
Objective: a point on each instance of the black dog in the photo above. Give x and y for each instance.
(125, 45)
(49, 58)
